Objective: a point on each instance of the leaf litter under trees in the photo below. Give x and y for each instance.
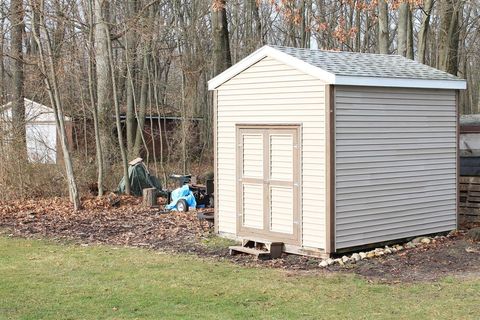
(131, 224)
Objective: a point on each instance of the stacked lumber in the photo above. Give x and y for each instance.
(470, 197)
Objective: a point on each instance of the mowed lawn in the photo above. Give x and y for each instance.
(44, 280)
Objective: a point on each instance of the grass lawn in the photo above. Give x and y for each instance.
(43, 280)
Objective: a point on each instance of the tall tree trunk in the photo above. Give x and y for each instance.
(130, 43)
(410, 52)
(144, 92)
(402, 29)
(222, 58)
(358, 25)
(3, 90)
(118, 123)
(93, 106)
(305, 10)
(423, 32)
(104, 85)
(18, 102)
(383, 34)
(449, 35)
(141, 111)
(253, 35)
(51, 83)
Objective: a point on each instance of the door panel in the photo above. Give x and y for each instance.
(253, 205)
(281, 209)
(253, 155)
(281, 157)
(268, 173)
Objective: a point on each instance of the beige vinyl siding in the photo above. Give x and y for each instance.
(271, 92)
(395, 171)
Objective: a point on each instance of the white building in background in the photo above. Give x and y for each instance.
(41, 131)
(470, 135)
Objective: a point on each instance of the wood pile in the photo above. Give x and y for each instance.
(470, 198)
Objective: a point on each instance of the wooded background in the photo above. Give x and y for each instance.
(94, 60)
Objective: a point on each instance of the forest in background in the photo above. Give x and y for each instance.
(94, 60)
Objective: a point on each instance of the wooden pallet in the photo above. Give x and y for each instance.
(470, 197)
(261, 250)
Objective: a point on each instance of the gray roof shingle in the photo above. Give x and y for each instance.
(367, 64)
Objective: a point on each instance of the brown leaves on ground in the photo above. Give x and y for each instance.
(128, 224)
(131, 224)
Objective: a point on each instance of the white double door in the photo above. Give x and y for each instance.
(268, 172)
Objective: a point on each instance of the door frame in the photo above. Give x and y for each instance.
(252, 233)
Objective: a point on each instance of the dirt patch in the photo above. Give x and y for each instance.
(132, 225)
(454, 256)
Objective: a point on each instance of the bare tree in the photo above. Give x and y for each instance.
(104, 85)
(93, 105)
(402, 28)
(449, 35)
(422, 34)
(50, 79)
(383, 29)
(221, 44)
(123, 152)
(18, 103)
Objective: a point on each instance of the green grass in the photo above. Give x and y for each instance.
(214, 242)
(44, 280)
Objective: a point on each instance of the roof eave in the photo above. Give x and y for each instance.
(400, 83)
(267, 51)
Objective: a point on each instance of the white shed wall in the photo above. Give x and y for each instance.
(395, 169)
(41, 131)
(41, 142)
(271, 92)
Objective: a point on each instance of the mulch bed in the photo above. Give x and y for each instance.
(130, 224)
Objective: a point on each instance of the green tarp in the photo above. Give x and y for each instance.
(140, 179)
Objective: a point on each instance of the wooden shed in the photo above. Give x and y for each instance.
(326, 151)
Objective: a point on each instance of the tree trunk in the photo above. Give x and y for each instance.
(123, 152)
(141, 111)
(423, 32)
(93, 106)
(3, 90)
(410, 54)
(18, 102)
(104, 85)
(50, 79)
(358, 25)
(222, 58)
(402, 29)
(383, 34)
(130, 43)
(449, 35)
(150, 197)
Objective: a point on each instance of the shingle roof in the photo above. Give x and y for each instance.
(349, 68)
(367, 64)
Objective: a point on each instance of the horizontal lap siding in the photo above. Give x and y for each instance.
(395, 170)
(272, 93)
